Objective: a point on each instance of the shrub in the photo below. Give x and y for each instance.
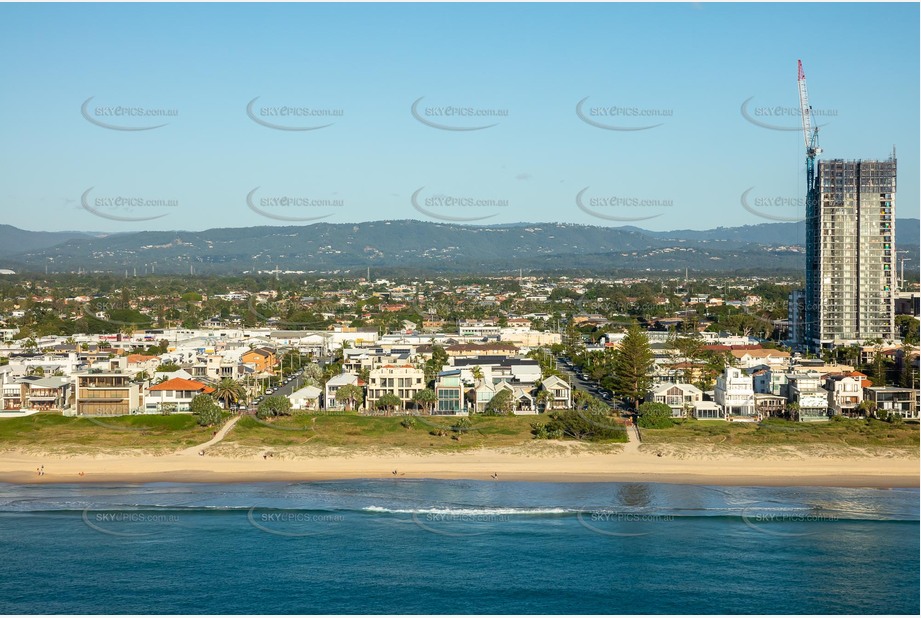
(655, 416)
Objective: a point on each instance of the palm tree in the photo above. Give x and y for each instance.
(868, 407)
(544, 398)
(477, 373)
(351, 394)
(228, 391)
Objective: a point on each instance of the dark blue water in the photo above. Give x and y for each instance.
(403, 546)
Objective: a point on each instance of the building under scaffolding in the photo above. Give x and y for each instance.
(850, 254)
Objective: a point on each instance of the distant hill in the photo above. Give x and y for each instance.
(906, 233)
(14, 240)
(438, 247)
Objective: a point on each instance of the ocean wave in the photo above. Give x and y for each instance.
(474, 511)
(755, 514)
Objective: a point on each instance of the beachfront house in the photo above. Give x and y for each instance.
(680, 398)
(845, 392)
(106, 394)
(449, 393)
(173, 396)
(735, 392)
(708, 411)
(35, 393)
(560, 393)
(893, 400)
(403, 381)
(768, 405)
(306, 398)
(804, 390)
(332, 386)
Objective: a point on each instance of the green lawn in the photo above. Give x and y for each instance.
(841, 431)
(52, 430)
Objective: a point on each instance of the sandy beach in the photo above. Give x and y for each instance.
(704, 465)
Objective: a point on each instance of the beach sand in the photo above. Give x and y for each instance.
(560, 462)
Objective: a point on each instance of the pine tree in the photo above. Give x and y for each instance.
(632, 363)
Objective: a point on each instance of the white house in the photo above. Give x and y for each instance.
(679, 397)
(523, 401)
(174, 395)
(735, 392)
(845, 393)
(708, 410)
(751, 358)
(333, 385)
(560, 393)
(307, 398)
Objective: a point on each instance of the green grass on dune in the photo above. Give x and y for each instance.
(352, 430)
(52, 430)
(427, 433)
(840, 431)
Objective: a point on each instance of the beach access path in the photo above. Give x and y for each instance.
(223, 431)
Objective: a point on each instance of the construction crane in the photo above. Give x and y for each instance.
(810, 132)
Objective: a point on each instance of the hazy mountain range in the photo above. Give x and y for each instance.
(408, 245)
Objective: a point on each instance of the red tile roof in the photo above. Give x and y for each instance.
(140, 358)
(181, 384)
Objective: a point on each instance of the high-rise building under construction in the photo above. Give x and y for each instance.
(850, 254)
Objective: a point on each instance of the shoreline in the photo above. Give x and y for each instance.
(701, 467)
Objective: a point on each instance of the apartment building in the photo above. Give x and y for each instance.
(850, 254)
(404, 381)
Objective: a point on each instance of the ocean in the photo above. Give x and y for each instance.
(443, 547)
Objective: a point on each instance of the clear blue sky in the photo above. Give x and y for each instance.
(699, 62)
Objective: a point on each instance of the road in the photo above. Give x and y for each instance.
(587, 386)
(285, 389)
